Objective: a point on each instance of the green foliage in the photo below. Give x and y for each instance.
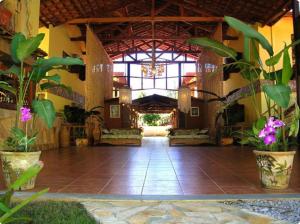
(287, 70)
(7, 211)
(277, 91)
(42, 66)
(45, 110)
(7, 87)
(249, 32)
(12, 70)
(27, 46)
(215, 46)
(15, 43)
(21, 49)
(54, 212)
(151, 119)
(19, 140)
(76, 115)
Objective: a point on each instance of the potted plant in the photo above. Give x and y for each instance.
(8, 210)
(78, 116)
(19, 152)
(276, 128)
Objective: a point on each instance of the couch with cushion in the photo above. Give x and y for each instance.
(189, 137)
(122, 136)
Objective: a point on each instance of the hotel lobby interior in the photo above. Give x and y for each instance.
(153, 111)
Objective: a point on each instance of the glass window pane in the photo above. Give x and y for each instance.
(172, 70)
(148, 83)
(160, 83)
(172, 83)
(135, 70)
(127, 58)
(188, 69)
(135, 83)
(189, 79)
(142, 56)
(122, 68)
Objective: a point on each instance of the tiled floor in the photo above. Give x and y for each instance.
(155, 169)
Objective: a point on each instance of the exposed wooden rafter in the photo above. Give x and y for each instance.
(140, 19)
(120, 24)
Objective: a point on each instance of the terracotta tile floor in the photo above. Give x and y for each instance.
(155, 169)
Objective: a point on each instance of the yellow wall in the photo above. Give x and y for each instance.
(277, 35)
(236, 81)
(55, 42)
(59, 42)
(26, 15)
(98, 72)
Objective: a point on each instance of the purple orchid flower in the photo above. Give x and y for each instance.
(25, 114)
(268, 133)
(275, 123)
(269, 139)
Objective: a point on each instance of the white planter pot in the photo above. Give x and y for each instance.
(15, 163)
(275, 168)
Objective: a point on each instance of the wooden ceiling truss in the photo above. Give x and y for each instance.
(129, 26)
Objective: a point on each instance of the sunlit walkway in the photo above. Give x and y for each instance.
(155, 169)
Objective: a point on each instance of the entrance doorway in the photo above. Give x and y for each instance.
(156, 114)
(154, 124)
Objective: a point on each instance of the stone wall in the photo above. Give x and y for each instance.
(46, 139)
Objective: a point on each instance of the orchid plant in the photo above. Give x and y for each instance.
(276, 127)
(23, 135)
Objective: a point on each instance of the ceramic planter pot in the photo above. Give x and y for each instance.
(82, 142)
(15, 163)
(275, 168)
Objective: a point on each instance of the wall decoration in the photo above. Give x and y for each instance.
(194, 111)
(74, 96)
(114, 111)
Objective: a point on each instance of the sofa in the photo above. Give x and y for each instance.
(122, 136)
(189, 137)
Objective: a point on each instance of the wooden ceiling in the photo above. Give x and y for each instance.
(127, 26)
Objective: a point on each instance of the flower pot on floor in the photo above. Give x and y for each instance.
(15, 163)
(226, 141)
(275, 168)
(81, 142)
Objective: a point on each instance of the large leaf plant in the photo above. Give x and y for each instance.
(7, 208)
(275, 88)
(36, 74)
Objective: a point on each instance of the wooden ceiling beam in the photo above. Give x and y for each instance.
(129, 49)
(139, 19)
(162, 8)
(156, 52)
(144, 38)
(281, 11)
(194, 8)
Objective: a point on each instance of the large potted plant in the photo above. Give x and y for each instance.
(79, 116)
(276, 128)
(19, 149)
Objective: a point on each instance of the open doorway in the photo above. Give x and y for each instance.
(155, 124)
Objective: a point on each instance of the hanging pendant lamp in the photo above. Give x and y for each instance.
(125, 95)
(184, 99)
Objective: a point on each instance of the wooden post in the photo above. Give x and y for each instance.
(296, 23)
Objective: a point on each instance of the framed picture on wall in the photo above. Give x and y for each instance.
(194, 111)
(114, 111)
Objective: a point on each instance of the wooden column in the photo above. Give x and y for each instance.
(296, 22)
